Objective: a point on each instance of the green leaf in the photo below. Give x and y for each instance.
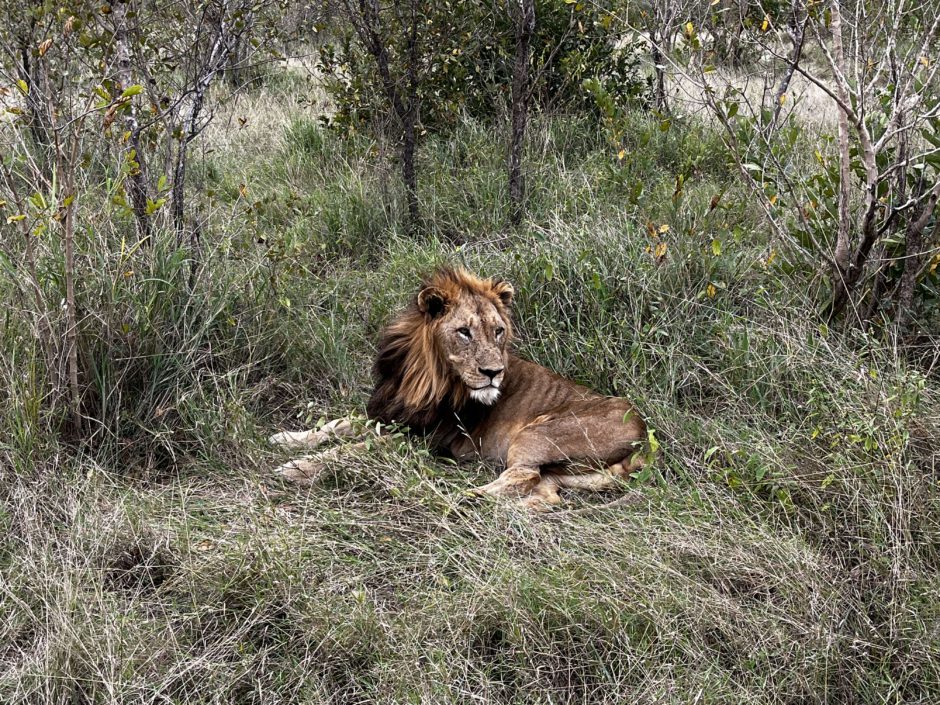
(644, 475)
(38, 201)
(23, 86)
(716, 247)
(653, 441)
(154, 206)
(636, 192)
(136, 89)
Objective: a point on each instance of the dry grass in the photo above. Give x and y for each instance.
(809, 104)
(785, 551)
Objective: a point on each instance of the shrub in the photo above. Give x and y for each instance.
(466, 63)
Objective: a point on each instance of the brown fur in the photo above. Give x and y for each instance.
(438, 368)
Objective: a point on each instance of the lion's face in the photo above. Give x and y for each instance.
(472, 331)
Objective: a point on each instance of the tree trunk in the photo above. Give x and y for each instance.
(136, 185)
(846, 269)
(189, 128)
(177, 194)
(841, 254)
(409, 121)
(71, 310)
(367, 22)
(524, 18)
(65, 163)
(659, 84)
(29, 71)
(237, 74)
(408, 173)
(798, 37)
(913, 255)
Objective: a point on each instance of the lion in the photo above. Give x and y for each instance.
(444, 368)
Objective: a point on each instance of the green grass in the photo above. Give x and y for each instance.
(785, 551)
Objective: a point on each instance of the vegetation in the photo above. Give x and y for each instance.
(784, 549)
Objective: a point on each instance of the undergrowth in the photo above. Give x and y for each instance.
(785, 549)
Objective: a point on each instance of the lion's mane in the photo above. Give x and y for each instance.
(413, 383)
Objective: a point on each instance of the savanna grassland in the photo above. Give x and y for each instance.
(784, 549)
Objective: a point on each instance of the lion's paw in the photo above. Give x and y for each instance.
(538, 503)
(302, 471)
(514, 482)
(543, 497)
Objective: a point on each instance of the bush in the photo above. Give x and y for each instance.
(466, 64)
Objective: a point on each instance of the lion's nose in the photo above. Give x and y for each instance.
(490, 373)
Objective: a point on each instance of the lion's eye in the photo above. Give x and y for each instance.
(499, 332)
(464, 333)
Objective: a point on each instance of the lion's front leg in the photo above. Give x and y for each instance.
(305, 471)
(308, 469)
(308, 440)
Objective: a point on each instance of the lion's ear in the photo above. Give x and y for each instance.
(432, 301)
(504, 291)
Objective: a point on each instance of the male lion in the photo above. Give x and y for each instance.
(444, 369)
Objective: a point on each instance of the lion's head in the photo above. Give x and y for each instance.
(469, 321)
(449, 346)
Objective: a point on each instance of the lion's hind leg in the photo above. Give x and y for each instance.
(597, 432)
(591, 481)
